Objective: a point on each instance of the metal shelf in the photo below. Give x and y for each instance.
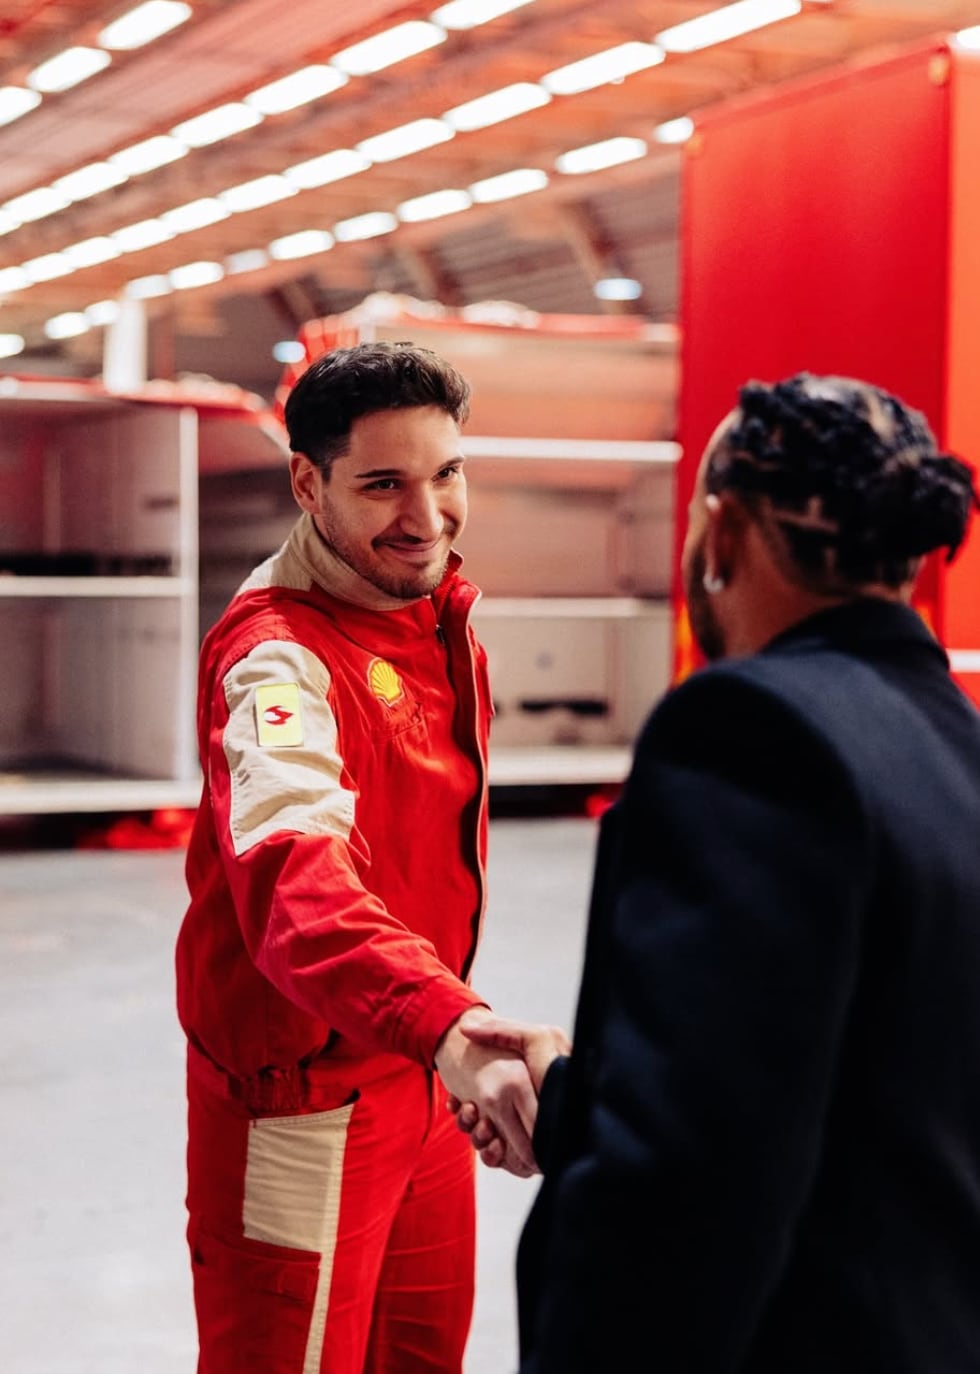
(19, 588)
(52, 792)
(557, 765)
(574, 607)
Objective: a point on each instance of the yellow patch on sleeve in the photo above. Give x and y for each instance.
(277, 715)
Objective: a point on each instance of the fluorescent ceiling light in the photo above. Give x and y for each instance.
(11, 345)
(301, 245)
(68, 69)
(148, 155)
(146, 234)
(434, 205)
(90, 252)
(248, 260)
(196, 214)
(145, 288)
(612, 65)
(405, 139)
(144, 24)
(36, 204)
(66, 326)
(288, 351)
(385, 49)
(252, 195)
(520, 182)
(617, 289)
(967, 39)
(595, 157)
(498, 105)
(89, 181)
(674, 130)
(731, 21)
(13, 279)
(16, 101)
(470, 14)
(101, 313)
(8, 222)
(298, 89)
(318, 171)
(47, 267)
(195, 274)
(216, 124)
(367, 226)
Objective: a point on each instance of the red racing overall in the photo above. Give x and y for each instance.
(336, 896)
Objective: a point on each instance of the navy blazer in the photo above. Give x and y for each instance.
(763, 1154)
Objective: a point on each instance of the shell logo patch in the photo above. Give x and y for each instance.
(278, 721)
(385, 682)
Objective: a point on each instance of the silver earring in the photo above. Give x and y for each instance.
(713, 583)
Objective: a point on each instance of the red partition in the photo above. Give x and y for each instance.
(961, 623)
(830, 226)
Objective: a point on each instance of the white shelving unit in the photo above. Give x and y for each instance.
(99, 593)
(570, 541)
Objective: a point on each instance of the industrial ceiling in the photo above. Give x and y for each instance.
(544, 250)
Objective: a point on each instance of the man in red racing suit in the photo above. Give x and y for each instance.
(336, 877)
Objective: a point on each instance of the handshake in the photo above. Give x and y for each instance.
(493, 1069)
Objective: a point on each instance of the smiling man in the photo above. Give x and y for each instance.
(336, 874)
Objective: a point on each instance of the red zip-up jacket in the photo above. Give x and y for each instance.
(336, 866)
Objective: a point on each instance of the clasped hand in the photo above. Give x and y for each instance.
(493, 1068)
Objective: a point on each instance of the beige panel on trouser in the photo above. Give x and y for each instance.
(295, 786)
(293, 1177)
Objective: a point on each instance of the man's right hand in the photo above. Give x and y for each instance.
(496, 1080)
(537, 1045)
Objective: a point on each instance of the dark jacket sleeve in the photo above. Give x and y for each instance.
(547, 1126)
(723, 953)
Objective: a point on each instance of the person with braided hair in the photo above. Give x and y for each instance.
(762, 1155)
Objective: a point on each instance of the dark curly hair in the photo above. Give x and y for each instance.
(341, 386)
(845, 480)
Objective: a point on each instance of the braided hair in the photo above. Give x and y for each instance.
(845, 481)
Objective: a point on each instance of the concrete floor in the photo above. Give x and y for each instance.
(93, 1269)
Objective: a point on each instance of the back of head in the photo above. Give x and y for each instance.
(845, 481)
(344, 385)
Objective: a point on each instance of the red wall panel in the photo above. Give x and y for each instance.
(834, 226)
(961, 602)
(814, 235)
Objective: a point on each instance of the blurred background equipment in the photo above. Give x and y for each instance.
(235, 168)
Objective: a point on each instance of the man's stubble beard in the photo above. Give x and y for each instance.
(403, 587)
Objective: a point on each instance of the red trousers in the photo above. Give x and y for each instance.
(337, 1238)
